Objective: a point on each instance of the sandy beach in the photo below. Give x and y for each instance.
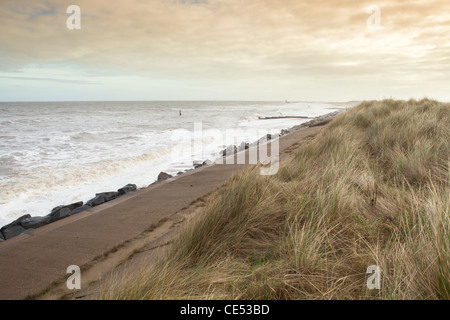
(104, 239)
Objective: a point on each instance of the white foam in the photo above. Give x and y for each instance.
(58, 153)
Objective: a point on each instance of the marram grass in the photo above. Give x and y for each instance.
(372, 188)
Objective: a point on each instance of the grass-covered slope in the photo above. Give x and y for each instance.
(372, 188)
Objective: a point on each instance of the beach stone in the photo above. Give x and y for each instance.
(102, 198)
(70, 206)
(35, 222)
(12, 231)
(17, 221)
(207, 163)
(197, 164)
(109, 195)
(14, 228)
(61, 212)
(127, 189)
(80, 209)
(96, 201)
(163, 176)
(231, 149)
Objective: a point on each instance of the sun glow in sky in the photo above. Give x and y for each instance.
(224, 50)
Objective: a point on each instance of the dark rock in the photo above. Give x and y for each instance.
(70, 206)
(180, 172)
(285, 131)
(16, 222)
(14, 228)
(102, 198)
(80, 209)
(164, 176)
(35, 222)
(1, 237)
(230, 150)
(109, 195)
(127, 189)
(12, 231)
(96, 201)
(197, 164)
(320, 122)
(61, 212)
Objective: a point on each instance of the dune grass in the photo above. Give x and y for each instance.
(372, 188)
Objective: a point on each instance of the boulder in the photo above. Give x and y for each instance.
(14, 228)
(320, 122)
(35, 222)
(96, 201)
(163, 176)
(102, 198)
(80, 209)
(17, 221)
(61, 212)
(197, 164)
(230, 150)
(109, 195)
(70, 207)
(127, 189)
(12, 231)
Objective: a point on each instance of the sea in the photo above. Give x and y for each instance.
(55, 153)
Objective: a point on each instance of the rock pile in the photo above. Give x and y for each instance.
(27, 223)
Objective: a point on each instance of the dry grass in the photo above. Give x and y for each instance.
(371, 189)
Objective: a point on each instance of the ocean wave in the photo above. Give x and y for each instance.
(51, 178)
(23, 121)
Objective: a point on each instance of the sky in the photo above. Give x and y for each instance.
(296, 50)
